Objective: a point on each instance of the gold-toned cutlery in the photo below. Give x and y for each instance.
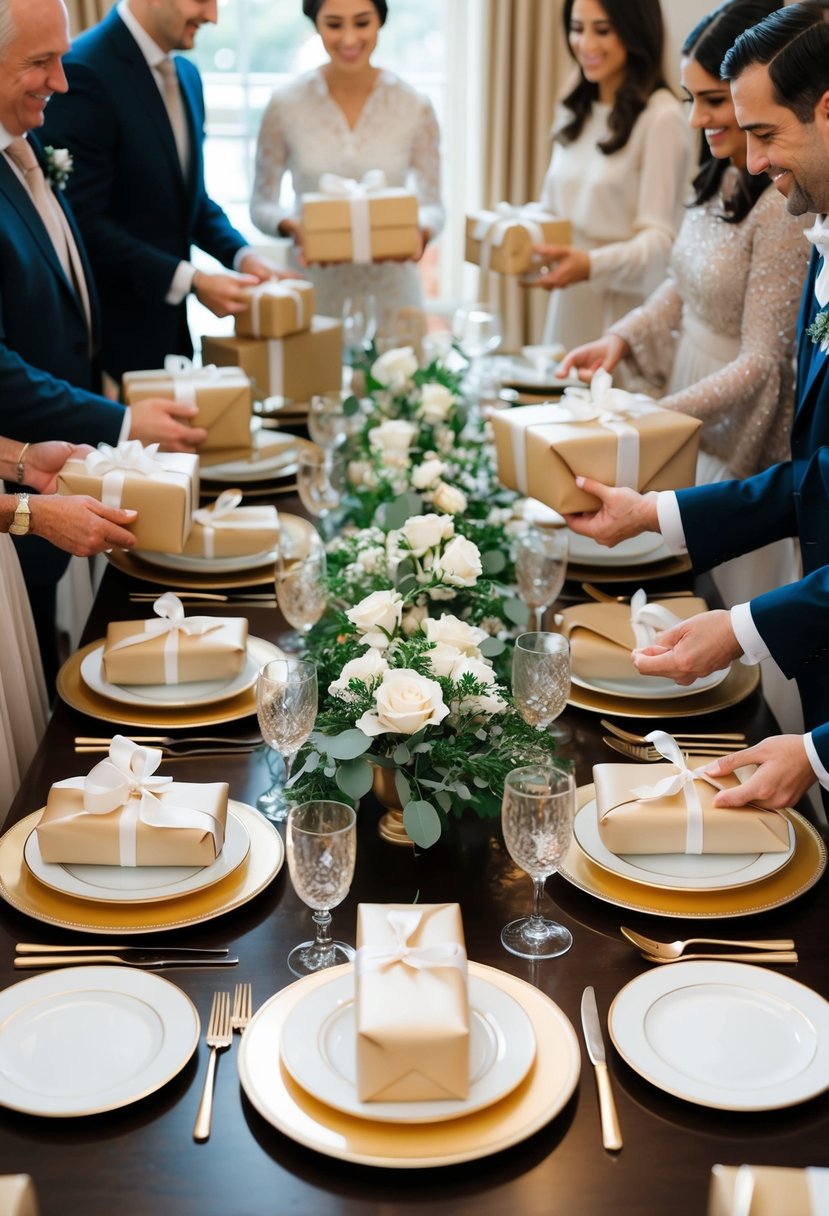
(158, 961)
(252, 740)
(199, 599)
(178, 753)
(219, 1037)
(772, 957)
(643, 751)
(591, 1026)
(242, 1007)
(116, 947)
(218, 597)
(604, 597)
(709, 737)
(669, 951)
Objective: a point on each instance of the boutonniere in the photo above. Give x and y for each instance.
(59, 165)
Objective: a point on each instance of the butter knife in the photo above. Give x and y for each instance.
(116, 948)
(157, 961)
(611, 1133)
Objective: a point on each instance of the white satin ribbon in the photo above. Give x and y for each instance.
(611, 408)
(187, 379)
(681, 782)
(125, 780)
(818, 235)
(491, 227)
(356, 193)
(420, 958)
(172, 622)
(113, 464)
(297, 291)
(648, 619)
(223, 516)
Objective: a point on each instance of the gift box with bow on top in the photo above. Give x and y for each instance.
(502, 240)
(777, 1190)
(602, 636)
(411, 1003)
(227, 529)
(351, 221)
(669, 808)
(163, 487)
(174, 649)
(222, 395)
(616, 437)
(123, 814)
(277, 308)
(296, 366)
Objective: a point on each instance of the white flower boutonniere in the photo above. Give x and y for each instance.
(59, 165)
(818, 331)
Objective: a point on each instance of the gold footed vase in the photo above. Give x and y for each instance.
(390, 825)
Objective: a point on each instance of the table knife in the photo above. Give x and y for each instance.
(116, 948)
(151, 961)
(611, 1133)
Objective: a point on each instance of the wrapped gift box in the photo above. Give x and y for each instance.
(777, 1189)
(277, 308)
(297, 366)
(629, 823)
(349, 221)
(223, 396)
(503, 240)
(174, 649)
(163, 487)
(227, 529)
(412, 1022)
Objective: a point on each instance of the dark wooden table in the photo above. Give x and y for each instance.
(142, 1159)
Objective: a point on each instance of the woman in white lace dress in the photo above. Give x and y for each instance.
(349, 117)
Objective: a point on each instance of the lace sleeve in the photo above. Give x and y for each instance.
(271, 160)
(651, 333)
(425, 166)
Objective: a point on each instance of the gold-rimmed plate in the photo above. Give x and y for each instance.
(802, 872)
(20, 889)
(740, 683)
(633, 573)
(542, 1094)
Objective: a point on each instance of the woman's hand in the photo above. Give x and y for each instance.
(604, 353)
(81, 525)
(293, 229)
(567, 266)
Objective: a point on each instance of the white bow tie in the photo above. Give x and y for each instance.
(818, 234)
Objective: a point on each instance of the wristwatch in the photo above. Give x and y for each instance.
(22, 516)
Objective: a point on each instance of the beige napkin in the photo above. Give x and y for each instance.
(17, 1195)
(603, 635)
(777, 1191)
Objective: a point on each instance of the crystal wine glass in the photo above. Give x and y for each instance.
(328, 423)
(321, 482)
(301, 591)
(537, 819)
(359, 316)
(477, 330)
(541, 567)
(541, 680)
(321, 840)
(286, 706)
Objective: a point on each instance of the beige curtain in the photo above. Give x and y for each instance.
(526, 66)
(84, 13)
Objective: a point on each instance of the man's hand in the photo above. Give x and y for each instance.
(262, 269)
(45, 460)
(693, 648)
(81, 525)
(622, 513)
(567, 266)
(605, 352)
(166, 422)
(224, 294)
(783, 774)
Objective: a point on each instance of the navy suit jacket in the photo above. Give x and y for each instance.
(138, 213)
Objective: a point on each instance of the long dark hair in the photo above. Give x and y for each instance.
(641, 31)
(708, 44)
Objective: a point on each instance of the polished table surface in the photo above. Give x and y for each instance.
(142, 1159)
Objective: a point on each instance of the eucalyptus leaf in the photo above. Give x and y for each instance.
(401, 754)
(351, 406)
(444, 800)
(393, 515)
(490, 648)
(516, 611)
(493, 562)
(355, 777)
(423, 823)
(404, 789)
(345, 746)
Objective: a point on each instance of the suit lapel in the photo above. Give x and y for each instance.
(811, 360)
(19, 197)
(192, 108)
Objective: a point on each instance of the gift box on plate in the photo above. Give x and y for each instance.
(222, 395)
(227, 529)
(277, 308)
(123, 814)
(669, 808)
(172, 648)
(618, 438)
(296, 366)
(502, 240)
(776, 1190)
(163, 487)
(351, 221)
(411, 1003)
(602, 636)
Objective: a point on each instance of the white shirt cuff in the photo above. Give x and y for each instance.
(240, 255)
(670, 522)
(125, 425)
(814, 760)
(182, 283)
(746, 633)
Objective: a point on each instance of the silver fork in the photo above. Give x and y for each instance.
(644, 751)
(710, 737)
(219, 1036)
(242, 1007)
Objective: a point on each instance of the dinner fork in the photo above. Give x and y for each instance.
(643, 751)
(179, 752)
(252, 740)
(219, 1036)
(242, 1007)
(709, 737)
(772, 956)
(604, 597)
(672, 950)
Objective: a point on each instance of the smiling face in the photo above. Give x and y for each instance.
(596, 47)
(349, 30)
(31, 69)
(712, 112)
(794, 154)
(174, 24)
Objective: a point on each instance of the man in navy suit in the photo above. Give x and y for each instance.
(139, 196)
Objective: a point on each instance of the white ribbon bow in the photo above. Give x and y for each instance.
(420, 958)
(113, 464)
(357, 195)
(681, 782)
(492, 227)
(223, 516)
(188, 379)
(297, 291)
(648, 619)
(172, 622)
(611, 408)
(818, 235)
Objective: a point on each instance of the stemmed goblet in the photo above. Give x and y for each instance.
(321, 840)
(359, 315)
(329, 424)
(537, 819)
(286, 706)
(541, 673)
(301, 591)
(477, 330)
(321, 482)
(541, 567)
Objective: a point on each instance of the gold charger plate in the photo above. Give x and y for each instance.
(628, 574)
(72, 689)
(539, 1098)
(740, 683)
(299, 532)
(801, 873)
(21, 889)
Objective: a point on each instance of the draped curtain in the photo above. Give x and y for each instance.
(84, 13)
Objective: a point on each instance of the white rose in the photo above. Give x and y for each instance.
(485, 703)
(369, 667)
(449, 499)
(371, 560)
(460, 563)
(427, 474)
(393, 435)
(376, 616)
(395, 368)
(424, 532)
(479, 668)
(443, 658)
(436, 402)
(361, 473)
(405, 702)
(466, 638)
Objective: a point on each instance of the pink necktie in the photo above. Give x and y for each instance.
(175, 109)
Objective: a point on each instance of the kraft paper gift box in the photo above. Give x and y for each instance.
(502, 240)
(17, 1195)
(366, 221)
(223, 396)
(227, 529)
(618, 438)
(163, 487)
(174, 649)
(602, 636)
(297, 366)
(277, 308)
(122, 814)
(778, 1191)
(669, 808)
(412, 1018)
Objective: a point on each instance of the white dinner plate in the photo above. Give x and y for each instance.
(651, 688)
(82, 1040)
(724, 1035)
(639, 550)
(501, 1052)
(197, 693)
(273, 452)
(138, 884)
(207, 565)
(680, 871)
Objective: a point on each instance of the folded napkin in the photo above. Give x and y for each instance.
(227, 529)
(668, 808)
(777, 1191)
(17, 1195)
